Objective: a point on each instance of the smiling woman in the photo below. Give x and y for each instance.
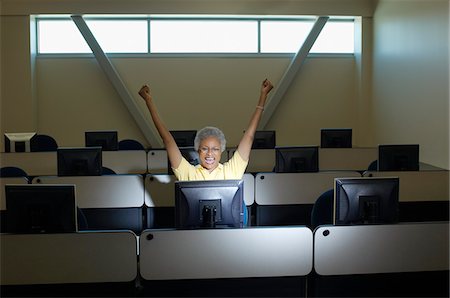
(209, 143)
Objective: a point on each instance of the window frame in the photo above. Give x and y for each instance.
(149, 18)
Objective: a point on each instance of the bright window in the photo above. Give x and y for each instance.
(203, 36)
(114, 36)
(194, 34)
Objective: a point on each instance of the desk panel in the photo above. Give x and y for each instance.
(110, 191)
(295, 188)
(419, 185)
(33, 163)
(126, 161)
(85, 257)
(346, 159)
(344, 250)
(160, 190)
(225, 253)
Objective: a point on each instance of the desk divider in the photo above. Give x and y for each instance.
(225, 253)
(84, 257)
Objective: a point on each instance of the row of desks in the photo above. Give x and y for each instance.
(125, 191)
(112, 256)
(155, 161)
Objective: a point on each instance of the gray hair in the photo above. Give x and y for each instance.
(210, 131)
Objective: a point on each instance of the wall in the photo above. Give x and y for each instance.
(411, 64)
(73, 95)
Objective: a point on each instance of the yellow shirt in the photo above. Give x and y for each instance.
(234, 168)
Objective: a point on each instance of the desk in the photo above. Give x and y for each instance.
(419, 185)
(85, 257)
(109, 191)
(346, 159)
(33, 163)
(369, 249)
(225, 253)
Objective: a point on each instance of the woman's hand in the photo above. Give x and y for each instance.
(266, 87)
(145, 92)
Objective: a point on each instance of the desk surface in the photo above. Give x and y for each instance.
(225, 253)
(366, 249)
(84, 257)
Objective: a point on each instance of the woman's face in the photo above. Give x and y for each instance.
(209, 153)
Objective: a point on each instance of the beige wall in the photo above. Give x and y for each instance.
(73, 95)
(411, 78)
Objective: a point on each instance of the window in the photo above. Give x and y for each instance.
(114, 36)
(203, 36)
(194, 34)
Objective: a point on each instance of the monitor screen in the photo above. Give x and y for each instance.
(336, 138)
(83, 161)
(105, 139)
(40, 208)
(209, 204)
(398, 157)
(184, 138)
(18, 142)
(297, 159)
(366, 200)
(264, 139)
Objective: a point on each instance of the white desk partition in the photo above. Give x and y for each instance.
(9, 180)
(157, 161)
(160, 190)
(367, 249)
(33, 163)
(261, 160)
(295, 188)
(225, 253)
(110, 191)
(346, 159)
(85, 257)
(126, 161)
(419, 185)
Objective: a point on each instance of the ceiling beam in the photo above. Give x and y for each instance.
(142, 118)
(291, 71)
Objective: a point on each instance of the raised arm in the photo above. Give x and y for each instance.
(173, 152)
(245, 145)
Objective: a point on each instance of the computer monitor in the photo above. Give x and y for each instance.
(81, 161)
(297, 159)
(398, 157)
(209, 204)
(366, 200)
(184, 138)
(189, 154)
(336, 138)
(264, 139)
(105, 139)
(40, 208)
(18, 142)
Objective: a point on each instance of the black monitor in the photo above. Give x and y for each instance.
(297, 159)
(366, 200)
(336, 138)
(18, 142)
(82, 161)
(189, 154)
(398, 157)
(264, 139)
(105, 139)
(40, 208)
(209, 204)
(184, 138)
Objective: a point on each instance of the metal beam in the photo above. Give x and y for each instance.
(291, 71)
(142, 120)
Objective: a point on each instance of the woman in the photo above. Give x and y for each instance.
(209, 143)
